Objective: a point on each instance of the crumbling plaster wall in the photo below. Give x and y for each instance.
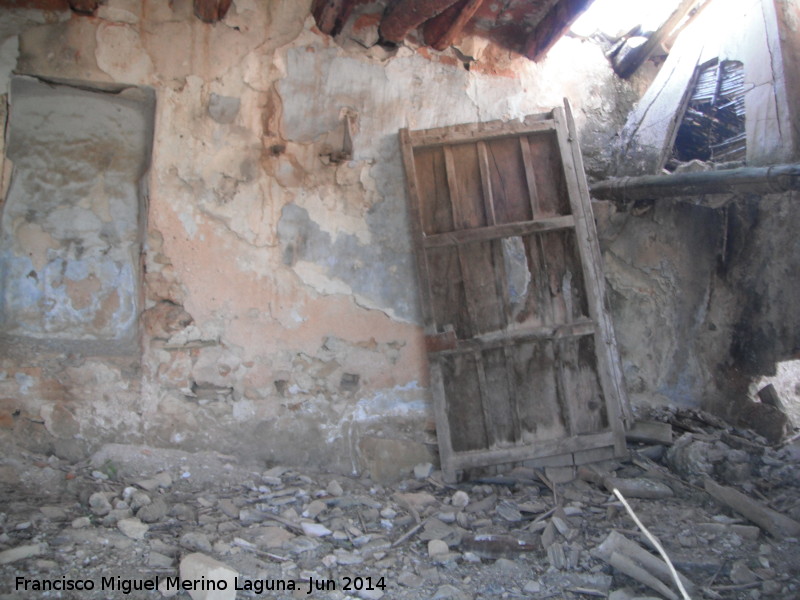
(281, 317)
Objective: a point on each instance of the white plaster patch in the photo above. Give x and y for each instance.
(189, 224)
(121, 55)
(314, 276)
(25, 382)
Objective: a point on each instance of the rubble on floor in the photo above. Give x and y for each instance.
(284, 533)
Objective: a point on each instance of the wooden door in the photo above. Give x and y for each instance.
(522, 355)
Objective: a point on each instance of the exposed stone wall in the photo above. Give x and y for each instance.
(280, 316)
(702, 296)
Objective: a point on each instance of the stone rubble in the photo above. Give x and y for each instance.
(509, 535)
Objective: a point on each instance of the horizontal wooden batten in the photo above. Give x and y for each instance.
(542, 449)
(494, 232)
(579, 328)
(466, 134)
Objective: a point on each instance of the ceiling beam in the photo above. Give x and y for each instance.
(442, 30)
(407, 15)
(552, 26)
(331, 15)
(84, 7)
(631, 63)
(211, 11)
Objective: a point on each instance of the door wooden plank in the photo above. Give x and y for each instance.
(463, 174)
(494, 232)
(415, 224)
(442, 420)
(448, 302)
(486, 401)
(514, 337)
(507, 177)
(610, 369)
(500, 398)
(516, 327)
(566, 445)
(541, 417)
(464, 408)
(435, 210)
(472, 132)
(548, 174)
(486, 181)
(530, 176)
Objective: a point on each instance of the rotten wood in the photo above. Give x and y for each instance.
(756, 180)
(650, 432)
(485, 234)
(84, 7)
(512, 342)
(626, 565)
(211, 11)
(636, 58)
(654, 566)
(331, 15)
(406, 15)
(775, 523)
(442, 30)
(553, 25)
(610, 368)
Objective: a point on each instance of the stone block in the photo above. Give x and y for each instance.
(196, 566)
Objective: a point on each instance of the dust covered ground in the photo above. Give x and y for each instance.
(136, 517)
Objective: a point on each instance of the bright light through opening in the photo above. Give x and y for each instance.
(617, 17)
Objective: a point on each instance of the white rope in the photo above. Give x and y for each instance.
(655, 543)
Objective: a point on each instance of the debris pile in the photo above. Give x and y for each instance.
(722, 503)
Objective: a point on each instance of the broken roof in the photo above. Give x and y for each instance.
(527, 27)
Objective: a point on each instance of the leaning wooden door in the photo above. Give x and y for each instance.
(522, 355)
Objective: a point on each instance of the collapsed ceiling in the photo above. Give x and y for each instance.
(527, 27)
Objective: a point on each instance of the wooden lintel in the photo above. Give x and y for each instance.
(762, 180)
(441, 31)
(407, 15)
(211, 11)
(552, 26)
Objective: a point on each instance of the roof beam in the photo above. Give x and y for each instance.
(442, 30)
(407, 15)
(211, 11)
(631, 63)
(331, 15)
(552, 26)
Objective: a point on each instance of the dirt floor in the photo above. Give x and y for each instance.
(162, 520)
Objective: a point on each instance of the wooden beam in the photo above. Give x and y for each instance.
(778, 524)
(84, 7)
(211, 11)
(442, 30)
(493, 232)
(407, 15)
(631, 63)
(762, 180)
(553, 25)
(331, 15)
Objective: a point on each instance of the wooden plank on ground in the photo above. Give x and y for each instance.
(777, 524)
